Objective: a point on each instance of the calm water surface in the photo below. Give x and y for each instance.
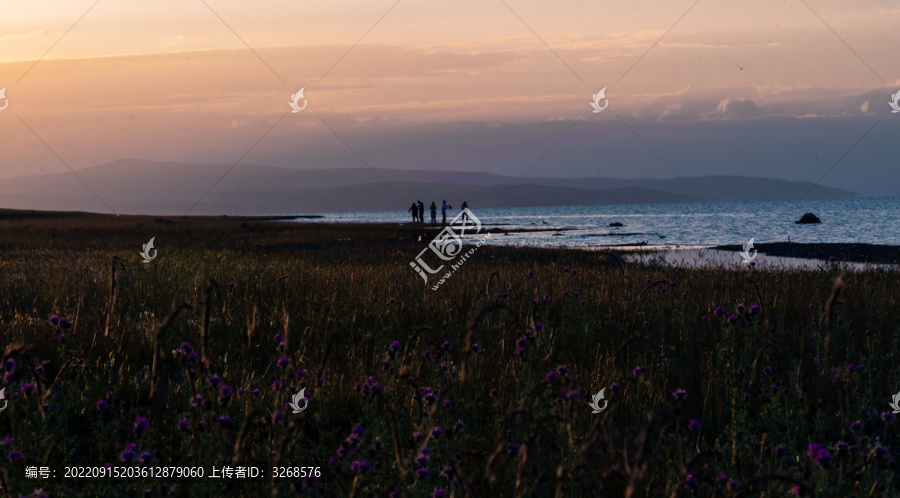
(872, 220)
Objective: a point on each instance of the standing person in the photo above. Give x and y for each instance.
(414, 209)
(444, 211)
(433, 213)
(465, 217)
(421, 212)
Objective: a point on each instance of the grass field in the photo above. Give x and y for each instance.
(720, 382)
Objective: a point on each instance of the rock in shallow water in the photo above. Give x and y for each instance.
(809, 218)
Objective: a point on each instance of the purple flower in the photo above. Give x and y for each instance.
(552, 376)
(27, 388)
(214, 381)
(9, 364)
(54, 320)
(679, 394)
(361, 467)
(283, 362)
(513, 449)
(754, 310)
(14, 455)
(422, 473)
(426, 353)
(616, 387)
(694, 425)
(823, 458)
(778, 451)
(460, 426)
(197, 400)
(65, 324)
(445, 345)
(494, 393)
(637, 371)
(691, 482)
(887, 417)
(538, 326)
(447, 403)
(61, 338)
(418, 436)
(192, 357)
(841, 448)
(231, 285)
(101, 405)
(562, 370)
(719, 311)
(224, 422)
(225, 391)
(741, 308)
(732, 319)
(395, 346)
(183, 425)
(439, 493)
(129, 453)
(278, 338)
(436, 432)
(146, 458)
(140, 426)
(856, 426)
(186, 347)
(767, 370)
(476, 348)
(276, 386)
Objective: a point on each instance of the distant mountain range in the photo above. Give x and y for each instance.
(133, 186)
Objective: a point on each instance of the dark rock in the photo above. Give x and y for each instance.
(616, 224)
(809, 218)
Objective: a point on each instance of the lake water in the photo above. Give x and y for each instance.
(870, 220)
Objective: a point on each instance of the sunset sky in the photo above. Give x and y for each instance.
(462, 85)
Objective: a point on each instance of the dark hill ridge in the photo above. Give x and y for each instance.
(141, 186)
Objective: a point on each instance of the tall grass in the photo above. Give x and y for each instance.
(485, 390)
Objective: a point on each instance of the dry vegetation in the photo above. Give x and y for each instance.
(483, 393)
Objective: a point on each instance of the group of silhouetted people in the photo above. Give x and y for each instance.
(418, 211)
